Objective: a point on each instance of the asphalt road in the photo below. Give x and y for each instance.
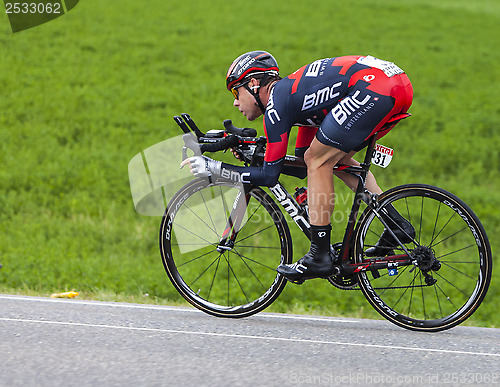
(57, 342)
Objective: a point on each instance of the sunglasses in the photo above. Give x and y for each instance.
(235, 91)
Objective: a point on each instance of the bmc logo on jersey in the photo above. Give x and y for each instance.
(347, 106)
(270, 110)
(323, 95)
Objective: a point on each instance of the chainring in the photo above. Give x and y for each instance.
(344, 282)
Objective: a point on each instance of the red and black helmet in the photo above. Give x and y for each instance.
(250, 63)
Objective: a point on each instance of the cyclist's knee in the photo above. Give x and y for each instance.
(308, 157)
(325, 157)
(312, 159)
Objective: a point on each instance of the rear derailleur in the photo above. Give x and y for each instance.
(426, 261)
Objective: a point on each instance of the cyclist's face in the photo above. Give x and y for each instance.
(246, 102)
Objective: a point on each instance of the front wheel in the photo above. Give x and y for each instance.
(221, 243)
(451, 260)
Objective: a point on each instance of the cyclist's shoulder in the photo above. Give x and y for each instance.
(315, 73)
(323, 66)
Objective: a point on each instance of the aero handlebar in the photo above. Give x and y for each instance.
(195, 139)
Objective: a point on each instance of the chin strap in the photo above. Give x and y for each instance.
(257, 97)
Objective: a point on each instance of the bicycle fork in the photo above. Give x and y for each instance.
(235, 219)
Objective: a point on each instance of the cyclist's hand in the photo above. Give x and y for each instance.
(236, 155)
(202, 166)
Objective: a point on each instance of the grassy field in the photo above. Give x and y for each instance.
(83, 94)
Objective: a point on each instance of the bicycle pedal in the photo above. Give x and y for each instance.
(296, 282)
(336, 271)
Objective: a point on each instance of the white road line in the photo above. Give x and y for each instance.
(165, 308)
(309, 318)
(269, 338)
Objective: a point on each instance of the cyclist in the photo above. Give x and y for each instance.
(337, 103)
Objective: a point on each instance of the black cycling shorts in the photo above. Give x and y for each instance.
(372, 99)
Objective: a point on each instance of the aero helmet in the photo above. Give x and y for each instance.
(253, 62)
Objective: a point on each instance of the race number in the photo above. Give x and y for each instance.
(389, 68)
(382, 156)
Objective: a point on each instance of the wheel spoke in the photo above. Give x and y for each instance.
(448, 237)
(454, 252)
(230, 268)
(213, 279)
(205, 270)
(195, 234)
(456, 287)
(255, 233)
(249, 268)
(208, 213)
(248, 259)
(196, 258)
(458, 271)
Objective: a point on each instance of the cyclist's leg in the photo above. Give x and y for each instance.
(320, 160)
(383, 97)
(351, 181)
(399, 90)
(318, 262)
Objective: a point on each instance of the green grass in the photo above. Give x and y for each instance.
(83, 94)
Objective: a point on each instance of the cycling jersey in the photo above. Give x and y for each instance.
(342, 101)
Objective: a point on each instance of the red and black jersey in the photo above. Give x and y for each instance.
(352, 91)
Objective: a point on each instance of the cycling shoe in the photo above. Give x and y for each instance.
(308, 267)
(387, 243)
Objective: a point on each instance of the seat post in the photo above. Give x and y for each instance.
(369, 154)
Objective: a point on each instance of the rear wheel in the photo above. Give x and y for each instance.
(236, 277)
(451, 254)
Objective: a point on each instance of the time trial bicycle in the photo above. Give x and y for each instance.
(221, 240)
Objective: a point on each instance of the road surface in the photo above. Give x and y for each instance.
(60, 342)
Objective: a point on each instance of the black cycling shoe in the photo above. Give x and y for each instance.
(308, 267)
(386, 243)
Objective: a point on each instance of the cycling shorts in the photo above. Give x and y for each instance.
(372, 98)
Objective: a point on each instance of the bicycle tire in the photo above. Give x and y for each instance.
(236, 282)
(451, 232)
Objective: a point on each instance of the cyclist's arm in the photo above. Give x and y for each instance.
(267, 175)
